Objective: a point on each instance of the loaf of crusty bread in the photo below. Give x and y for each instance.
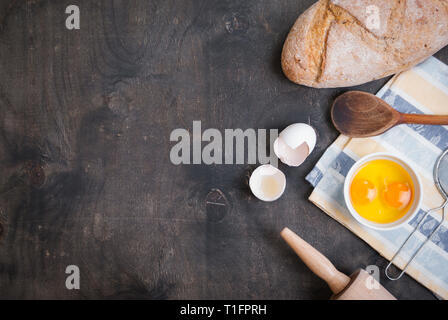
(340, 43)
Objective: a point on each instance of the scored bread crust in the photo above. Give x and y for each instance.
(331, 45)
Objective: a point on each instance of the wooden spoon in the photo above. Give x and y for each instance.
(359, 114)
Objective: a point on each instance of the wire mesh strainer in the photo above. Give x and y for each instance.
(441, 181)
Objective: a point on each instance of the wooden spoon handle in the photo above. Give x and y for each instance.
(317, 262)
(423, 119)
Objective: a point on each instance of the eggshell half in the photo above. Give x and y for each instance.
(295, 143)
(256, 182)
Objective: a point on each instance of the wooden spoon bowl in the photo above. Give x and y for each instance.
(360, 114)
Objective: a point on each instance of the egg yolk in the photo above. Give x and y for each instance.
(397, 195)
(381, 191)
(362, 191)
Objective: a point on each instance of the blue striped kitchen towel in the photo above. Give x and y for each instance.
(423, 89)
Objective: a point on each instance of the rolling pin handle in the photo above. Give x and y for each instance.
(317, 262)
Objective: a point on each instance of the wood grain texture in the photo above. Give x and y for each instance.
(359, 114)
(85, 176)
(358, 289)
(316, 261)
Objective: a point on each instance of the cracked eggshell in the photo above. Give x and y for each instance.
(295, 143)
(267, 183)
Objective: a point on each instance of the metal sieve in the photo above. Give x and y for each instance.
(441, 181)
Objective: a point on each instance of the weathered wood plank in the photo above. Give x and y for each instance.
(85, 176)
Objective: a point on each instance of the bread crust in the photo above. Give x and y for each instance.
(332, 45)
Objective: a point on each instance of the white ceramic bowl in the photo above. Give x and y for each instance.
(415, 203)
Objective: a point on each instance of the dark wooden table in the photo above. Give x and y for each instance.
(85, 175)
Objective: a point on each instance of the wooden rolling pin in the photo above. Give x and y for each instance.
(359, 286)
